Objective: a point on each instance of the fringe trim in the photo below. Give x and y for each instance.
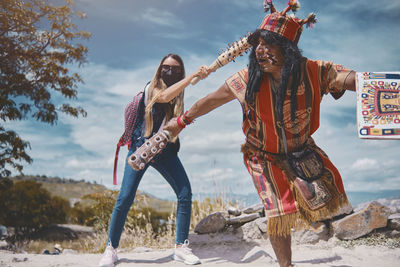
(283, 225)
(329, 210)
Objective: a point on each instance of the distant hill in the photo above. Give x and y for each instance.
(63, 187)
(243, 200)
(74, 190)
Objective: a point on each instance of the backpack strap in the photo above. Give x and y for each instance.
(131, 115)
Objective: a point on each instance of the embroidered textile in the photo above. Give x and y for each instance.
(273, 180)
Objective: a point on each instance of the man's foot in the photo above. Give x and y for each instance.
(184, 253)
(109, 257)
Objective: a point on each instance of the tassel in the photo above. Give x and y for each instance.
(268, 5)
(294, 5)
(311, 20)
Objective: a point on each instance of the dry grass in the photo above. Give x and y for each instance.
(136, 237)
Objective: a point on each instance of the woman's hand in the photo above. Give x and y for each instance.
(202, 72)
(172, 127)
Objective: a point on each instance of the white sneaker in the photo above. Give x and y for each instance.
(109, 257)
(185, 254)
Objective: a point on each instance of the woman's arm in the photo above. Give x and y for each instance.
(175, 89)
(202, 106)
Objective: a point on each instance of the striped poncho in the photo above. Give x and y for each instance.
(283, 205)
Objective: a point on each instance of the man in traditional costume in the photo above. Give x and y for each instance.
(280, 93)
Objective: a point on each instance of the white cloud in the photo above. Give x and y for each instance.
(364, 164)
(84, 148)
(160, 17)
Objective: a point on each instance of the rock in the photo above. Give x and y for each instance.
(251, 231)
(316, 232)
(234, 211)
(394, 222)
(362, 222)
(15, 259)
(3, 231)
(262, 224)
(243, 218)
(213, 223)
(392, 204)
(254, 208)
(394, 216)
(3, 244)
(393, 234)
(64, 232)
(345, 210)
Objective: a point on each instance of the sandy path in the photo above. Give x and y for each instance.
(237, 254)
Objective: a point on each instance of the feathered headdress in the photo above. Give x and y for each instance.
(289, 27)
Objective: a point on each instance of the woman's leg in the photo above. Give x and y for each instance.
(171, 168)
(124, 202)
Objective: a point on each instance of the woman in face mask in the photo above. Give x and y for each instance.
(162, 100)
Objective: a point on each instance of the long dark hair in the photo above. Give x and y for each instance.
(291, 69)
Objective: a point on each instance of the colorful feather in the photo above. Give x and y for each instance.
(311, 20)
(268, 6)
(294, 5)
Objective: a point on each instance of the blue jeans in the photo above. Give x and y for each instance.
(170, 167)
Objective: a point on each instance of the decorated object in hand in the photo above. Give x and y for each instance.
(145, 153)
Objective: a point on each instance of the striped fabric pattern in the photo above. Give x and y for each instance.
(261, 130)
(283, 25)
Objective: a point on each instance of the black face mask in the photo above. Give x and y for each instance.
(169, 77)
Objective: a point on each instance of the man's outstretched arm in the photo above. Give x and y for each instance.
(203, 106)
(350, 81)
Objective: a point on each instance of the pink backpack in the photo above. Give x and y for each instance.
(130, 114)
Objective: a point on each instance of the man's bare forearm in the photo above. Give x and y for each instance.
(350, 82)
(210, 102)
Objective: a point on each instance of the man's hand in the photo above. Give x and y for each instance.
(172, 127)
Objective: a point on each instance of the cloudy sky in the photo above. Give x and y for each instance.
(129, 38)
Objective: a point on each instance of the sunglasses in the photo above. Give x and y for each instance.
(174, 68)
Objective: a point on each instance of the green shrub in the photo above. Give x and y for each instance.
(27, 207)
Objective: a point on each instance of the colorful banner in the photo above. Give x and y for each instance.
(378, 105)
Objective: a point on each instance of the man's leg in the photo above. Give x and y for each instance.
(282, 249)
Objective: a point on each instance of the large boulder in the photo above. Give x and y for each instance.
(392, 203)
(312, 235)
(213, 223)
(251, 231)
(358, 224)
